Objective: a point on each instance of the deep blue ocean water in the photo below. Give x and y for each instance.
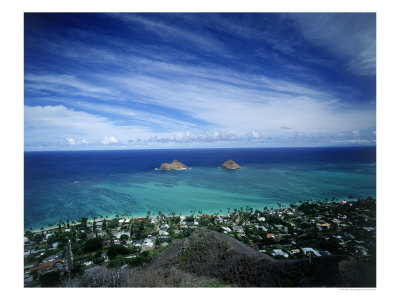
(71, 184)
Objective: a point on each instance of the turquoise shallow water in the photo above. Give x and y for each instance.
(69, 186)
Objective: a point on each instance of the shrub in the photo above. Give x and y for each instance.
(93, 244)
(115, 250)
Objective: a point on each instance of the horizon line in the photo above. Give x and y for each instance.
(205, 148)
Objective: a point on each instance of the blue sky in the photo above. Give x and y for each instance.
(127, 81)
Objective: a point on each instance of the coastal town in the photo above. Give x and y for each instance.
(298, 231)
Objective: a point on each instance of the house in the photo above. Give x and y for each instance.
(86, 262)
(163, 232)
(45, 265)
(219, 220)
(122, 233)
(324, 225)
(50, 258)
(324, 253)
(279, 252)
(226, 229)
(261, 219)
(105, 257)
(309, 251)
(165, 244)
(295, 251)
(148, 244)
(261, 227)
(140, 220)
(27, 278)
(237, 228)
(362, 250)
(369, 229)
(270, 235)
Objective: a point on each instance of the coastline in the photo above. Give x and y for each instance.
(225, 212)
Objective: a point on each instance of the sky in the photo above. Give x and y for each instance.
(140, 81)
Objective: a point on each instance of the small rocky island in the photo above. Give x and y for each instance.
(230, 165)
(175, 165)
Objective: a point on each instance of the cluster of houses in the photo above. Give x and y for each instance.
(290, 232)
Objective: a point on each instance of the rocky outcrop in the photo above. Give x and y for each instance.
(175, 165)
(230, 164)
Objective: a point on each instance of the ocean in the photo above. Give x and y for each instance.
(68, 185)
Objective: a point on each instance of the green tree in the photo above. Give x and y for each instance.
(84, 221)
(115, 250)
(93, 244)
(124, 237)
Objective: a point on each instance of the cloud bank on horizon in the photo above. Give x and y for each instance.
(112, 81)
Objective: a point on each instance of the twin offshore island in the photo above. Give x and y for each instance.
(178, 166)
(327, 243)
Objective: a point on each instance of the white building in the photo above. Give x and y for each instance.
(279, 252)
(310, 250)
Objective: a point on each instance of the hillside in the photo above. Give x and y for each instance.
(209, 258)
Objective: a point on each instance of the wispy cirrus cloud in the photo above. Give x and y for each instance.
(165, 31)
(149, 79)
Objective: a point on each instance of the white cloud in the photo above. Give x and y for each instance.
(52, 124)
(254, 135)
(204, 42)
(109, 140)
(67, 84)
(187, 137)
(72, 141)
(346, 36)
(354, 141)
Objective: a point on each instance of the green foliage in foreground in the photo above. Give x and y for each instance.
(49, 279)
(115, 250)
(92, 245)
